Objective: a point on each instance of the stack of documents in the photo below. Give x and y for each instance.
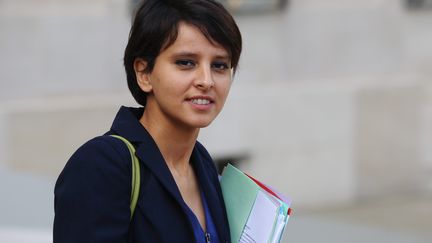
(256, 213)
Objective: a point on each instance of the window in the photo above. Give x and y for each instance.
(242, 6)
(254, 6)
(235, 160)
(418, 4)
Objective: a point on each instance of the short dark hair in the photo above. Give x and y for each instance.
(155, 28)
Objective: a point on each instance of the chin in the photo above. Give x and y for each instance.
(202, 123)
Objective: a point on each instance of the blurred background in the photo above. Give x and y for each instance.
(331, 105)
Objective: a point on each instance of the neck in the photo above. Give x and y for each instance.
(174, 141)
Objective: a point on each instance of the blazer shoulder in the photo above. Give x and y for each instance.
(99, 150)
(94, 187)
(100, 158)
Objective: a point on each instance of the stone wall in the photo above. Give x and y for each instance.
(331, 103)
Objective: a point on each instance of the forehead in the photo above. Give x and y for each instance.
(190, 39)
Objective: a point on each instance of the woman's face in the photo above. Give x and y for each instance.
(190, 80)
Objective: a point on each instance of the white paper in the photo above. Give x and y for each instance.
(259, 226)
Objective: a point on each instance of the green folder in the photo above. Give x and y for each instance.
(245, 208)
(239, 194)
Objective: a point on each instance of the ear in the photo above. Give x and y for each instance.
(142, 75)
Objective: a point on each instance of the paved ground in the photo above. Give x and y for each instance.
(401, 219)
(404, 219)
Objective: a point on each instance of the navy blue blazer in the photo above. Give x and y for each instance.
(92, 193)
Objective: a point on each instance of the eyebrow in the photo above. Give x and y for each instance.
(184, 54)
(195, 55)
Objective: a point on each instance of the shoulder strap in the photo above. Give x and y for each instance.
(135, 174)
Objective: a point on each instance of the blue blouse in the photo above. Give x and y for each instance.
(211, 235)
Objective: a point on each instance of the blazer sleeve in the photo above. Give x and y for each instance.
(92, 194)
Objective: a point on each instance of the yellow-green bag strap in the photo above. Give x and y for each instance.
(135, 174)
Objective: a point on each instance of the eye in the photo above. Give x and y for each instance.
(220, 66)
(185, 63)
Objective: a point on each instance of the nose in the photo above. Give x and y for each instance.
(204, 79)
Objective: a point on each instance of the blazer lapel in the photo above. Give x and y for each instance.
(210, 193)
(127, 124)
(150, 156)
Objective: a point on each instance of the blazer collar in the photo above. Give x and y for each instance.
(210, 192)
(126, 124)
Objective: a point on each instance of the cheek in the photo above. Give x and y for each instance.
(168, 86)
(225, 88)
(177, 82)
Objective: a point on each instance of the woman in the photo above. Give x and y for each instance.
(179, 63)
